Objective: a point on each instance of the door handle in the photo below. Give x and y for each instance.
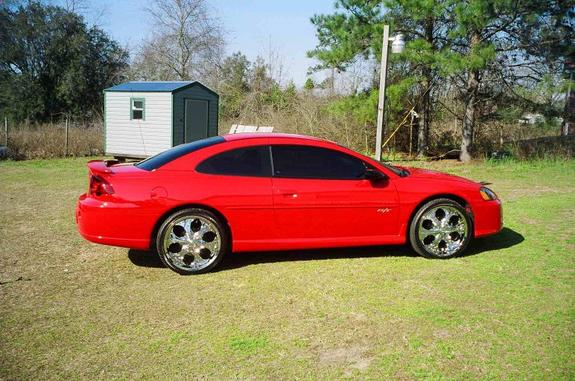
(288, 193)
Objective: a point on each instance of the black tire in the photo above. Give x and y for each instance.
(426, 250)
(206, 216)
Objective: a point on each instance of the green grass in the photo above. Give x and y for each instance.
(74, 310)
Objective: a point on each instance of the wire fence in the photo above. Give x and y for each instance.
(68, 137)
(64, 138)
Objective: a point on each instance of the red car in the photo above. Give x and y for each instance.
(196, 202)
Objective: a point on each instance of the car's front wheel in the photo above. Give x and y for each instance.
(192, 241)
(441, 228)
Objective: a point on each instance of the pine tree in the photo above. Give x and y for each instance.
(356, 31)
(487, 40)
(485, 49)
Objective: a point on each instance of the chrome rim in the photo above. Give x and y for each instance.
(192, 242)
(442, 230)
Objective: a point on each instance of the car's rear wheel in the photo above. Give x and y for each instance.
(441, 228)
(192, 241)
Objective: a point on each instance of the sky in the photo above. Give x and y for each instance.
(253, 27)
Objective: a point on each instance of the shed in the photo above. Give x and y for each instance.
(144, 118)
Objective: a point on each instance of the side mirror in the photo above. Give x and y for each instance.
(374, 175)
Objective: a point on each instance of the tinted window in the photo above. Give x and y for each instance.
(248, 161)
(162, 158)
(315, 163)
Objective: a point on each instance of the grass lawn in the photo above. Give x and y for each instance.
(70, 309)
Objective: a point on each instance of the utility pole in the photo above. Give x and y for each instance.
(396, 47)
(381, 103)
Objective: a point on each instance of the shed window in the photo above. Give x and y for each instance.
(137, 108)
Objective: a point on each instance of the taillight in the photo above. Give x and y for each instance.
(99, 186)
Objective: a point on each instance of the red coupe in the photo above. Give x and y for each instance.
(196, 202)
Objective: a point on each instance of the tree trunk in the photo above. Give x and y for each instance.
(469, 118)
(470, 109)
(568, 127)
(424, 120)
(425, 112)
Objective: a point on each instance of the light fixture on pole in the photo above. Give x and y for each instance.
(397, 46)
(398, 43)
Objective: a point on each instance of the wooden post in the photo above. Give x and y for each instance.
(66, 149)
(6, 131)
(381, 104)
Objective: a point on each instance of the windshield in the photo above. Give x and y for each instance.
(156, 161)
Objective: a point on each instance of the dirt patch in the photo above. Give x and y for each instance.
(353, 357)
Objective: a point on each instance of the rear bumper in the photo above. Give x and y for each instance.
(113, 223)
(488, 218)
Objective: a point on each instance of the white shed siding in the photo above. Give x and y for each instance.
(138, 137)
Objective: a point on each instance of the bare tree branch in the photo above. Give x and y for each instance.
(187, 42)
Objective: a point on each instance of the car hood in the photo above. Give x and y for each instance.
(435, 175)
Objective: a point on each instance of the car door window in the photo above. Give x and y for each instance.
(247, 161)
(307, 162)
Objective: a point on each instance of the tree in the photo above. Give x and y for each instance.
(248, 91)
(75, 6)
(423, 24)
(568, 126)
(489, 47)
(11, 4)
(309, 85)
(233, 84)
(51, 63)
(486, 50)
(187, 44)
(261, 87)
(357, 30)
(549, 37)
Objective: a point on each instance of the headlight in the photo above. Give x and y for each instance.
(487, 194)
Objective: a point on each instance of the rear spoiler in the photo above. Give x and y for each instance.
(102, 166)
(111, 162)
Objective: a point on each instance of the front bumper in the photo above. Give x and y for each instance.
(488, 218)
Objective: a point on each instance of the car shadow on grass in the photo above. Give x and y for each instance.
(505, 239)
(236, 260)
(144, 258)
(250, 258)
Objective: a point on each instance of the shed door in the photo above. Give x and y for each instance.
(196, 120)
